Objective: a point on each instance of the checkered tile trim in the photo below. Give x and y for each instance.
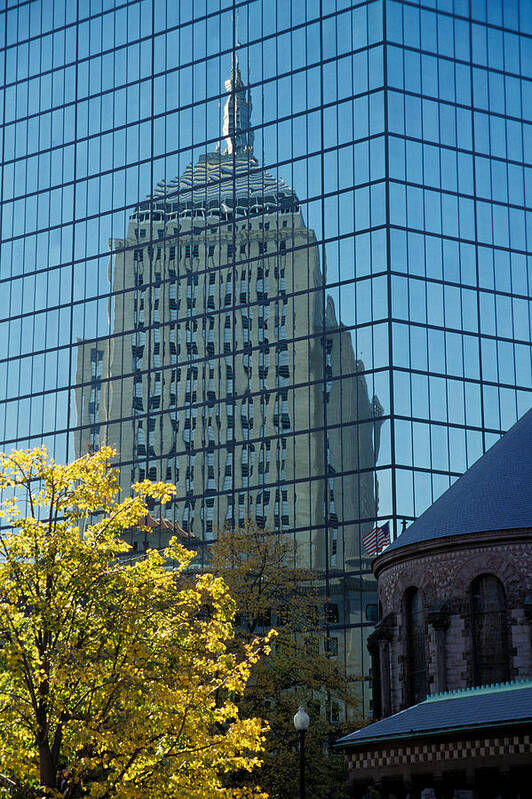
(440, 751)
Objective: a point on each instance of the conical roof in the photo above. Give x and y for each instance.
(494, 494)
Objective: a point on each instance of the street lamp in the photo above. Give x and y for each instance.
(301, 722)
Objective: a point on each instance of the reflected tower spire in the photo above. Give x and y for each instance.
(237, 113)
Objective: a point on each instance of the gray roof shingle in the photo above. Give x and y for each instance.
(494, 494)
(486, 706)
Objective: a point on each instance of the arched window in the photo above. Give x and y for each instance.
(490, 634)
(415, 646)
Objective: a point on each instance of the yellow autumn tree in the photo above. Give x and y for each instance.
(118, 678)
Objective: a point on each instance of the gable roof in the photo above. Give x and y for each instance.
(487, 706)
(494, 494)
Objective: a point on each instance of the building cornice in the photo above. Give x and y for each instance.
(477, 540)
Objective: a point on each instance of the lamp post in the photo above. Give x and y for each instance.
(301, 722)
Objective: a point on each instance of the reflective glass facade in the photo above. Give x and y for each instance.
(276, 252)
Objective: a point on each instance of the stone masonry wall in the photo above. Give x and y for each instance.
(446, 577)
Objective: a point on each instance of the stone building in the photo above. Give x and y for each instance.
(455, 602)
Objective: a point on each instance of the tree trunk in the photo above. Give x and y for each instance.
(47, 770)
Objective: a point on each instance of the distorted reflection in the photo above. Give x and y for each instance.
(228, 371)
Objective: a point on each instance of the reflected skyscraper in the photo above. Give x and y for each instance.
(218, 375)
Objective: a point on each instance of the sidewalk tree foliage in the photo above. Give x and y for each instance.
(269, 588)
(117, 678)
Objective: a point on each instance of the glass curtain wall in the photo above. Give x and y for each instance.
(275, 252)
(458, 118)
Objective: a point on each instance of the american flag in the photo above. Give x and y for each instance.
(377, 539)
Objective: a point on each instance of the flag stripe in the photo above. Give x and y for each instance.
(377, 539)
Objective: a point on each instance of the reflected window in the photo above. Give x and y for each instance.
(415, 646)
(331, 647)
(333, 615)
(490, 632)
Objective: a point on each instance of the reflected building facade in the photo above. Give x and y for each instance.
(320, 323)
(219, 372)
